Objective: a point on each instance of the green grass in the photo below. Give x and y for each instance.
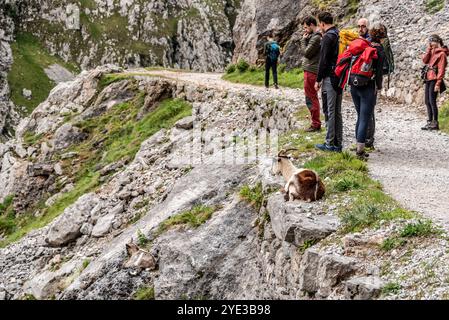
(443, 118)
(254, 195)
(392, 243)
(27, 71)
(419, 229)
(256, 76)
(391, 288)
(7, 215)
(193, 218)
(144, 293)
(121, 135)
(433, 6)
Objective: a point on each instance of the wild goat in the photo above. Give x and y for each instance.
(302, 184)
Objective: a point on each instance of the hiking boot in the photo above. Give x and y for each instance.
(327, 148)
(362, 155)
(313, 129)
(434, 125)
(427, 126)
(276, 86)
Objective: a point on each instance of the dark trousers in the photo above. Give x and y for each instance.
(371, 127)
(334, 134)
(431, 101)
(271, 65)
(364, 99)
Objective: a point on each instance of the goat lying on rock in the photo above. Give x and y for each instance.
(302, 184)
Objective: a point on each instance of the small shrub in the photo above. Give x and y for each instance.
(392, 243)
(85, 264)
(144, 293)
(307, 244)
(231, 68)
(195, 217)
(253, 68)
(391, 287)
(346, 184)
(360, 217)
(242, 65)
(433, 6)
(253, 195)
(419, 229)
(282, 68)
(142, 240)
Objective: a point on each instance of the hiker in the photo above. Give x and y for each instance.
(363, 27)
(365, 78)
(272, 53)
(388, 69)
(310, 49)
(435, 60)
(328, 82)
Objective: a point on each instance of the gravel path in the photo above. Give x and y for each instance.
(413, 165)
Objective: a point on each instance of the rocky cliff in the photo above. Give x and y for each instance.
(7, 114)
(190, 34)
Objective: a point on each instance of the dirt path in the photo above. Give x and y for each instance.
(413, 165)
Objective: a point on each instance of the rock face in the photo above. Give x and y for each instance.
(189, 34)
(409, 26)
(8, 117)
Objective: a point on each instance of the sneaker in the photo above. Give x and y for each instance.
(427, 126)
(328, 148)
(313, 129)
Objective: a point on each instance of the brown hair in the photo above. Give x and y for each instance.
(377, 33)
(436, 38)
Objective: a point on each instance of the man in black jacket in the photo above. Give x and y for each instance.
(326, 80)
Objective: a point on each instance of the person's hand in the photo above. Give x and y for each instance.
(437, 89)
(305, 35)
(317, 86)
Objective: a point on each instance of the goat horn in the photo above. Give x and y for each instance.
(291, 149)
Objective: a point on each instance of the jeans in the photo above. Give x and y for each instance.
(312, 102)
(364, 99)
(431, 101)
(274, 66)
(334, 134)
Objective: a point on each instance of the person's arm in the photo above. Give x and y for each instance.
(426, 57)
(442, 64)
(322, 66)
(313, 48)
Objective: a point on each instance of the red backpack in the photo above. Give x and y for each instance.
(355, 64)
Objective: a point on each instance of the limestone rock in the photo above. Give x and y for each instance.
(363, 288)
(293, 224)
(103, 226)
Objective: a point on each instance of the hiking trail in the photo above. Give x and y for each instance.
(411, 164)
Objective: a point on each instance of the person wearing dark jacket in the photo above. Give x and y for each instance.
(310, 49)
(364, 97)
(435, 59)
(328, 82)
(271, 62)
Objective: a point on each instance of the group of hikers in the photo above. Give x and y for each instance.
(334, 60)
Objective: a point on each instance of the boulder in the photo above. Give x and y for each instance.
(27, 94)
(296, 225)
(185, 123)
(40, 169)
(319, 272)
(103, 225)
(363, 288)
(67, 227)
(66, 135)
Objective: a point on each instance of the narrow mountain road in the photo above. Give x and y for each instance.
(412, 165)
